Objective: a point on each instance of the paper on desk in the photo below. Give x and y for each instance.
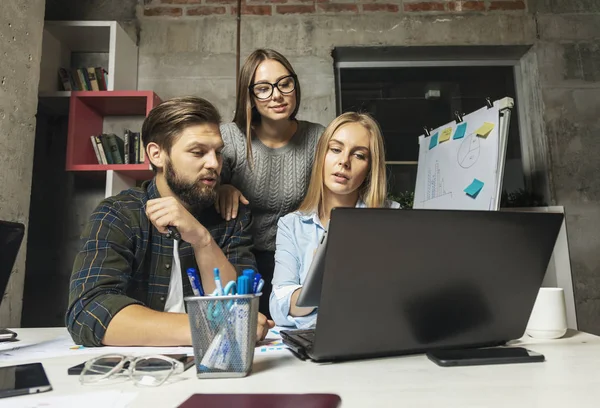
(63, 346)
(271, 343)
(12, 345)
(100, 399)
(269, 346)
(273, 333)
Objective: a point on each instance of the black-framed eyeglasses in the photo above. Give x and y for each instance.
(264, 90)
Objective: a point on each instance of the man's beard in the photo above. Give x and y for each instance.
(193, 194)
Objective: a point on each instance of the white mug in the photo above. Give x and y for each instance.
(548, 318)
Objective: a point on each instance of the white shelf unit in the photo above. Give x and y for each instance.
(74, 44)
(104, 42)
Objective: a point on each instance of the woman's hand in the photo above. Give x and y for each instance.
(262, 329)
(228, 201)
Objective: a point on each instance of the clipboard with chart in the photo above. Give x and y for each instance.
(461, 163)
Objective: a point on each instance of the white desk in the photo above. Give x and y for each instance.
(569, 378)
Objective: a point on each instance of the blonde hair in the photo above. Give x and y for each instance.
(373, 191)
(246, 114)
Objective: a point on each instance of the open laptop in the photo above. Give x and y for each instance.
(410, 281)
(11, 236)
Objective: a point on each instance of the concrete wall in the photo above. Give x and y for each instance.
(21, 24)
(569, 64)
(190, 48)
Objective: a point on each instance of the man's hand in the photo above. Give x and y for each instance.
(167, 211)
(228, 201)
(263, 327)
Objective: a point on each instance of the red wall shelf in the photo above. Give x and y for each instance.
(87, 110)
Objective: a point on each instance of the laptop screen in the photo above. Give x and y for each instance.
(11, 235)
(311, 292)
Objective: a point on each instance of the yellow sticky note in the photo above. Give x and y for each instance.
(445, 135)
(485, 130)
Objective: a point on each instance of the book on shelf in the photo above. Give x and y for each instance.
(126, 138)
(115, 144)
(65, 79)
(141, 150)
(106, 147)
(83, 79)
(99, 149)
(112, 149)
(91, 73)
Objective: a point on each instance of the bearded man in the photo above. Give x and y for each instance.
(129, 277)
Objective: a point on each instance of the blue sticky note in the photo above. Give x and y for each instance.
(460, 131)
(474, 188)
(433, 141)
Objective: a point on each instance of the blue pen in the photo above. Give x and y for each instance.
(260, 286)
(218, 282)
(195, 282)
(257, 279)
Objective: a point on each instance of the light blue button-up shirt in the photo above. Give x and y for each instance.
(298, 237)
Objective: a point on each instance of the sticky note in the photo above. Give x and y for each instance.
(460, 131)
(474, 188)
(433, 141)
(485, 130)
(445, 135)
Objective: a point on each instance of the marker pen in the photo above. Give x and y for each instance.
(195, 282)
(260, 286)
(257, 279)
(218, 282)
(173, 232)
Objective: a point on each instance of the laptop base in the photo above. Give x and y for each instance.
(299, 342)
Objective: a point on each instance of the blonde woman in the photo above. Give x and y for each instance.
(349, 171)
(268, 153)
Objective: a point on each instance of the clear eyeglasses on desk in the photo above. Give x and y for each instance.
(146, 371)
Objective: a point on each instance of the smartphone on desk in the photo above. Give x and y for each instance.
(484, 356)
(187, 361)
(23, 379)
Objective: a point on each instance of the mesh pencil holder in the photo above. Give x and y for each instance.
(223, 334)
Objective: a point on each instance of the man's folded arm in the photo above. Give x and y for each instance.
(137, 325)
(100, 275)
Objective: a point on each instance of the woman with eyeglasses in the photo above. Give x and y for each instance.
(268, 153)
(349, 171)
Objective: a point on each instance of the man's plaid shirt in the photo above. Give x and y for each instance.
(124, 260)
